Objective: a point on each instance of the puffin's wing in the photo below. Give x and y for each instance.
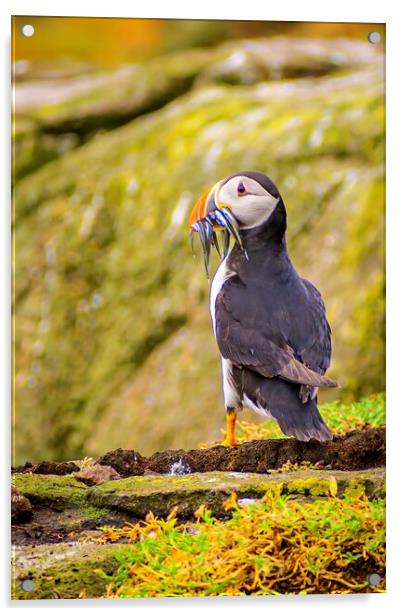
(314, 348)
(252, 346)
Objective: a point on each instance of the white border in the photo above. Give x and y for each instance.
(292, 10)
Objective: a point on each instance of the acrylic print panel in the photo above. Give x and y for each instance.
(128, 135)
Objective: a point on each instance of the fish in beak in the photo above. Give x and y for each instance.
(208, 217)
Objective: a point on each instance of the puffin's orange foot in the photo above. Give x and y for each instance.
(230, 439)
(230, 443)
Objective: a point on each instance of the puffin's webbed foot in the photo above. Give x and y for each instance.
(230, 439)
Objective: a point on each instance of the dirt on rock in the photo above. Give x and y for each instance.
(54, 522)
(356, 450)
(47, 468)
(125, 461)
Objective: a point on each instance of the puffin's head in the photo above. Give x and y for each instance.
(241, 201)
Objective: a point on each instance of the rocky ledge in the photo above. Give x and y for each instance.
(60, 510)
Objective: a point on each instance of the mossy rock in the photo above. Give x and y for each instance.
(50, 489)
(63, 571)
(113, 339)
(46, 130)
(61, 495)
(73, 570)
(161, 493)
(109, 98)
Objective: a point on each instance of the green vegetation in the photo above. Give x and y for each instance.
(273, 547)
(298, 529)
(364, 413)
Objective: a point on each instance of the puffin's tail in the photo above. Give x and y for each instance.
(282, 400)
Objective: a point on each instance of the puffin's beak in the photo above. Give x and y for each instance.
(208, 216)
(204, 206)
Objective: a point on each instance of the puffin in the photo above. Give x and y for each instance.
(269, 323)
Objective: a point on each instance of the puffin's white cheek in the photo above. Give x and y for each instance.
(254, 212)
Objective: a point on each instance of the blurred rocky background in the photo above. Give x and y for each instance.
(119, 125)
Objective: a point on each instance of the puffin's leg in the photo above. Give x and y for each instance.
(230, 438)
(231, 393)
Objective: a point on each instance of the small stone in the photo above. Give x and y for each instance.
(21, 508)
(96, 474)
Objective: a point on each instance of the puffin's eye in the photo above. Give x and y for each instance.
(241, 189)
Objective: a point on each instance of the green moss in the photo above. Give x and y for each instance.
(59, 492)
(161, 494)
(45, 489)
(312, 486)
(277, 546)
(239, 555)
(64, 571)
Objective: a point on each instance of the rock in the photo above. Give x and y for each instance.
(136, 496)
(65, 571)
(21, 508)
(60, 507)
(116, 235)
(74, 569)
(125, 462)
(51, 490)
(47, 130)
(160, 494)
(96, 474)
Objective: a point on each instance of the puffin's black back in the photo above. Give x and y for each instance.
(271, 324)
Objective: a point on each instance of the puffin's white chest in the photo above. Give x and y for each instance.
(221, 275)
(231, 395)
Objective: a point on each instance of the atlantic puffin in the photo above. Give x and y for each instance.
(269, 323)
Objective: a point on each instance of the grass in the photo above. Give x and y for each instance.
(275, 546)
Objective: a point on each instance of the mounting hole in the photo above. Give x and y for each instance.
(27, 585)
(28, 30)
(374, 37)
(374, 579)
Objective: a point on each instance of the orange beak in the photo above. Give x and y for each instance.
(208, 216)
(199, 210)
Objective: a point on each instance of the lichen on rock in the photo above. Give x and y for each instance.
(64, 571)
